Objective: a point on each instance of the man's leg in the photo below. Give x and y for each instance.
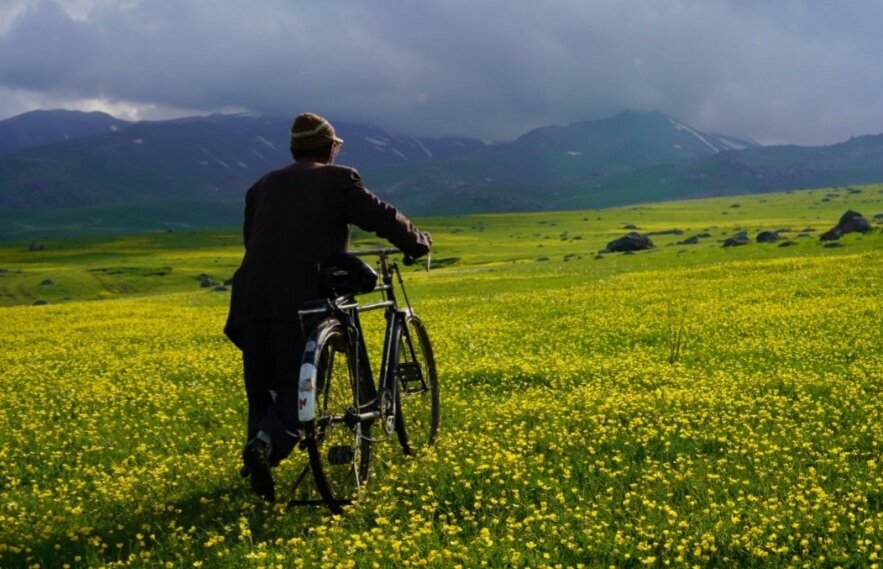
(281, 420)
(259, 365)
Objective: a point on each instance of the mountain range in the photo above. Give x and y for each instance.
(91, 171)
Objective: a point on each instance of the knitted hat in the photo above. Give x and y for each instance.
(312, 131)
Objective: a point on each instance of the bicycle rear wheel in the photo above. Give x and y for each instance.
(338, 448)
(417, 408)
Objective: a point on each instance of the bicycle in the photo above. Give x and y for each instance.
(338, 402)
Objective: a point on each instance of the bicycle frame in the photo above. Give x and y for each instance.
(338, 420)
(346, 310)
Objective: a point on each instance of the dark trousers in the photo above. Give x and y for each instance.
(271, 358)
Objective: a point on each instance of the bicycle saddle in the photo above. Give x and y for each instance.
(343, 274)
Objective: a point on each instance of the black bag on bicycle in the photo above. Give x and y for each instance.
(343, 274)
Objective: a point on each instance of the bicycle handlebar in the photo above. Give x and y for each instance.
(381, 251)
(407, 260)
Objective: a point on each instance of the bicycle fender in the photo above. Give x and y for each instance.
(306, 393)
(307, 380)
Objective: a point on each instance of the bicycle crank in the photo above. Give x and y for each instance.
(387, 412)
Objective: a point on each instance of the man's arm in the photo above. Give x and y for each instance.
(371, 213)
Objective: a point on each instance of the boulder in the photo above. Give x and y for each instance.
(768, 237)
(689, 240)
(206, 281)
(47, 282)
(787, 243)
(850, 222)
(632, 241)
(740, 238)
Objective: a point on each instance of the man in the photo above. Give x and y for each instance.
(294, 218)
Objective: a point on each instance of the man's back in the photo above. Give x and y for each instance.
(294, 218)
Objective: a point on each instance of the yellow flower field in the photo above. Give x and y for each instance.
(577, 429)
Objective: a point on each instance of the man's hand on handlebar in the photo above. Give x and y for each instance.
(408, 260)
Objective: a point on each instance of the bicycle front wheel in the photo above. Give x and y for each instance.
(417, 409)
(339, 450)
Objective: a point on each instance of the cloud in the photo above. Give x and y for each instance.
(791, 71)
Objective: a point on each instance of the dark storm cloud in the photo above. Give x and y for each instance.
(791, 71)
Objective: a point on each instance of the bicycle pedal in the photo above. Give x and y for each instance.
(409, 372)
(341, 455)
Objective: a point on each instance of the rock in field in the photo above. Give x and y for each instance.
(206, 281)
(740, 238)
(768, 237)
(632, 241)
(850, 222)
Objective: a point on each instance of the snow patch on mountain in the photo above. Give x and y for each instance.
(732, 144)
(423, 148)
(682, 127)
(267, 143)
(213, 157)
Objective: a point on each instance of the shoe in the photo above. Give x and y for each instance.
(256, 457)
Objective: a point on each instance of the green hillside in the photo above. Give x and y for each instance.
(121, 219)
(126, 265)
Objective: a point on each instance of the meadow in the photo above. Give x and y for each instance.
(687, 406)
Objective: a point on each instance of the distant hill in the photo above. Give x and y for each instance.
(530, 173)
(37, 128)
(750, 171)
(204, 158)
(86, 171)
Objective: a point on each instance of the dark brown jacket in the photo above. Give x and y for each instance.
(294, 218)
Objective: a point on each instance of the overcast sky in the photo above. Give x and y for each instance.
(779, 71)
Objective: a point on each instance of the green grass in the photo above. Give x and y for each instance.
(86, 268)
(572, 432)
(118, 219)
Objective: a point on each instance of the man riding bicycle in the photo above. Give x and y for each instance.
(294, 218)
